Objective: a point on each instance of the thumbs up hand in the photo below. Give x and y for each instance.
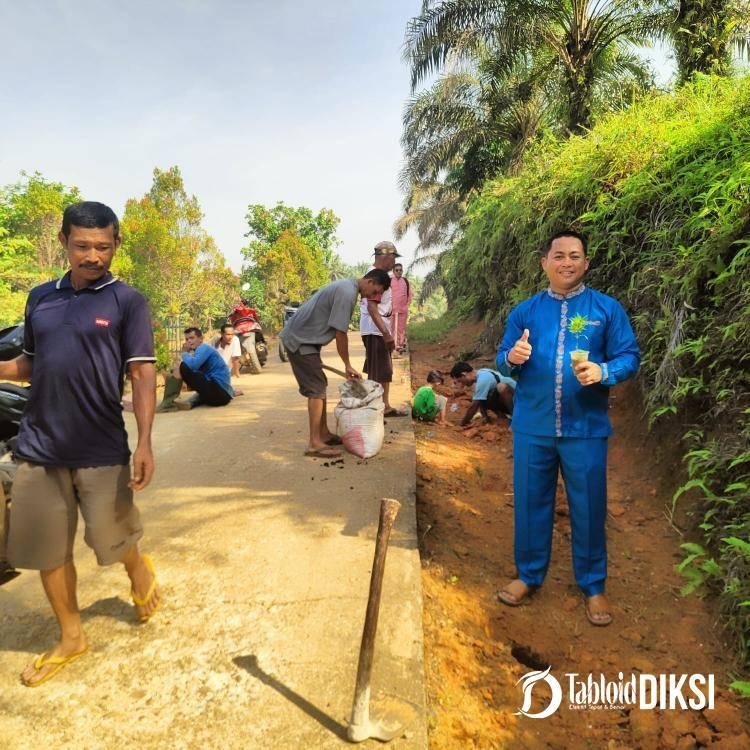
(521, 350)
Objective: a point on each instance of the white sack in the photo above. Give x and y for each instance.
(359, 417)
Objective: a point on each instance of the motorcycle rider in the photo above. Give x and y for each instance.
(244, 319)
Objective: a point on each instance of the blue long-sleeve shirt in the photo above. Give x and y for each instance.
(208, 360)
(549, 400)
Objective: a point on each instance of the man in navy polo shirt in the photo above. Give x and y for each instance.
(82, 332)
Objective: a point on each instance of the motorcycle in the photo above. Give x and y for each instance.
(247, 327)
(289, 310)
(13, 400)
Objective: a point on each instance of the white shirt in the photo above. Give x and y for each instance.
(230, 350)
(385, 307)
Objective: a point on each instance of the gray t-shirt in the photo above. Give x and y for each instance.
(315, 323)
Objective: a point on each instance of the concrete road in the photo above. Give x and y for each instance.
(264, 557)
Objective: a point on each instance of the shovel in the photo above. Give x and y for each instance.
(362, 726)
(358, 389)
(340, 373)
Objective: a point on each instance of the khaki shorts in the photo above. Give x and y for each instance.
(308, 370)
(44, 514)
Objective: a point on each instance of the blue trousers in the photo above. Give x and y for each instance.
(583, 463)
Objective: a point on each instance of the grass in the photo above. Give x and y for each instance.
(429, 331)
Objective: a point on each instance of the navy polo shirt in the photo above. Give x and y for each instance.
(80, 342)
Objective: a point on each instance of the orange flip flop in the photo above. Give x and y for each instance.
(59, 663)
(149, 563)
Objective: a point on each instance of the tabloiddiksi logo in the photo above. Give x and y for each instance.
(646, 691)
(531, 679)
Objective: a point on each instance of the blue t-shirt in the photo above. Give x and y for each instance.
(211, 364)
(486, 382)
(80, 342)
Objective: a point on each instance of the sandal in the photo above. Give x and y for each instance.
(58, 661)
(602, 617)
(511, 599)
(149, 563)
(334, 440)
(323, 453)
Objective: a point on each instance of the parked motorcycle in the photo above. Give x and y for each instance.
(246, 323)
(289, 310)
(13, 400)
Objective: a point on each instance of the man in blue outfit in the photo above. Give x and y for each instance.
(560, 420)
(493, 392)
(205, 371)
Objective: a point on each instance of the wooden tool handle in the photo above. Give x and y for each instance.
(335, 371)
(388, 510)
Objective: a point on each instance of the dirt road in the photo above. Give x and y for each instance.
(264, 558)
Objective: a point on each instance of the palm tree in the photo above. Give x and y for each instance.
(473, 123)
(704, 33)
(483, 116)
(575, 37)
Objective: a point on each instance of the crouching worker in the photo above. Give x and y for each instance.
(204, 370)
(493, 392)
(325, 316)
(429, 406)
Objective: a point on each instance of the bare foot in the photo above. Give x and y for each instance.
(514, 592)
(142, 579)
(598, 611)
(32, 676)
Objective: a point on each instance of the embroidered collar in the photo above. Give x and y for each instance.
(578, 290)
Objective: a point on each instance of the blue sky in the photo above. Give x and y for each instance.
(255, 101)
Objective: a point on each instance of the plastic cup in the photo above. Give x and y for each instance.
(578, 355)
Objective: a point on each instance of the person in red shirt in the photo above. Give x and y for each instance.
(401, 297)
(243, 317)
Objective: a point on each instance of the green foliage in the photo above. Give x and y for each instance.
(291, 249)
(317, 231)
(33, 209)
(289, 267)
(703, 33)
(435, 329)
(504, 74)
(434, 306)
(663, 193)
(742, 687)
(30, 253)
(577, 326)
(171, 259)
(577, 46)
